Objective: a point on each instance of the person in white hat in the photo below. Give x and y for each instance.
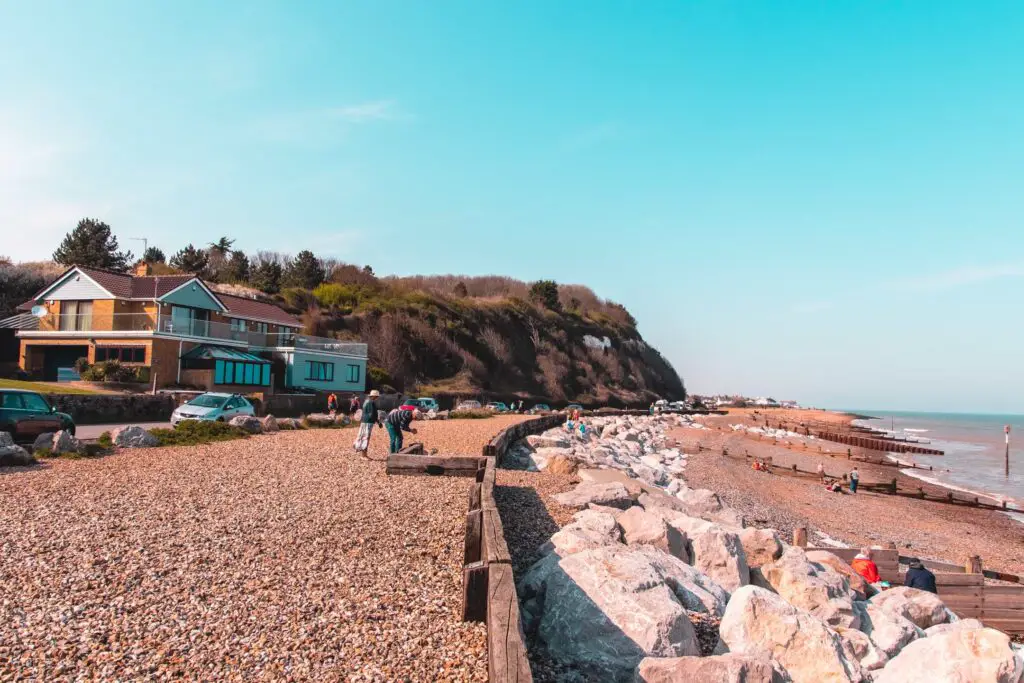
(366, 423)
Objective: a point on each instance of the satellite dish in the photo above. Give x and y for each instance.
(39, 311)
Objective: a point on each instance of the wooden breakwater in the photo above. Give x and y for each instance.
(876, 444)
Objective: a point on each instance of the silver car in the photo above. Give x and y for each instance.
(213, 407)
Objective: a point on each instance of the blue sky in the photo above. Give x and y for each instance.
(819, 201)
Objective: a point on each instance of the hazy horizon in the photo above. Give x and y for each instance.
(813, 202)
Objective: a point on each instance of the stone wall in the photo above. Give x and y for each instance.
(110, 408)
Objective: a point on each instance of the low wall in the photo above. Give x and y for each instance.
(499, 445)
(105, 408)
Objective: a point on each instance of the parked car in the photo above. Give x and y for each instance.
(412, 404)
(497, 406)
(213, 407)
(468, 405)
(428, 404)
(540, 408)
(26, 414)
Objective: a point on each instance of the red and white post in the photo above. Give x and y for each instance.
(1006, 461)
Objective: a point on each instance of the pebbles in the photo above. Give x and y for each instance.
(280, 557)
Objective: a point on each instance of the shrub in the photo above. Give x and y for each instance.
(111, 371)
(378, 377)
(473, 414)
(105, 440)
(81, 365)
(194, 432)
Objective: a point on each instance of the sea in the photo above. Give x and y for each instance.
(974, 446)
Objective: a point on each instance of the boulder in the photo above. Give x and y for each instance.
(695, 590)
(856, 581)
(714, 550)
(859, 647)
(247, 422)
(319, 420)
(548, 441)
(133, 436)
(889, 632)
(43, 441)
(612, 494)
(728, 668)
(343, 420)
(641, 527)
(13, 455)
(589, 529)
(961, 656)
(760, 546)
(961, 625)
(269, 424)
(562, 465)
(699, 503)
(760, 624)
(601, 611)
(65, 442)
(287, 423)
(817, 589)
(922, 608)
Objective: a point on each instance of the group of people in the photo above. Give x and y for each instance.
(834, 485)
(395, 422)
(332, 404)
(918, 576)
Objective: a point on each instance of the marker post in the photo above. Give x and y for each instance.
(1006, 462)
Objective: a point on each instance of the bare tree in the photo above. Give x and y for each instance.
(497, 344)
(387, 348)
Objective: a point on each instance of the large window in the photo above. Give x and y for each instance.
(353, 373)
(319, 372)
(125, 354)
(189, 321)
(76, 315)
(241, 372)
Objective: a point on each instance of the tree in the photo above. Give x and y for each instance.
(221, 246)
(304, 271)
(461, 290)
(237, 267)
(266, 277)
(190, 260)
(545, 293)
(92, 244)
(17, 284)
(154, 255)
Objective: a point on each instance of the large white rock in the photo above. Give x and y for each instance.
(612, 494)
(760, 624)
(65, 442)
(888, 631)
(714, 550)
(858, 646)
(11, 454)
(964, 656)
(248, 423)
(696, 591)
(760, 546)
(817, 589)
(699, 503)
(641, 527)
(727, 668)
(269, 424)
(924, 609)
(548, 441)
(589, 529)
(961, 625)
(133, 436)
(603, 610)
(856, 581)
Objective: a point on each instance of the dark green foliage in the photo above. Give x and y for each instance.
(266, 277)
(82, 364)
(377, 378)
(17, 284)
(111, 371)
(154, 255)
(237, 268)
(298, 300)
(305, 271)
(221, 246)
(545, 293)
(190, 260)
(194, 432)
(105, 440)
(474, 414)
(92, 244)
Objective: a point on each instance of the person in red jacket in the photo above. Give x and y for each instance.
(865, 566)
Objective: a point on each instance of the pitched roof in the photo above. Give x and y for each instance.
(242, 307)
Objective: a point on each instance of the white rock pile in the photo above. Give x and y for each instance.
(619, 590)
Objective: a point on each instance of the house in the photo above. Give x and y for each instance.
(177, 330)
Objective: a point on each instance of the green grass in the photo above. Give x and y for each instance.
(43, 387)
(195, 432)
(476, 414)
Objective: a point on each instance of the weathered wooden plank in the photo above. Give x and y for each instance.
(1004, 590)
(474, 497)
(988, 613)
(1002, 576)
(959, 580)
(953, 591)
(415, 448)
(1002, 601)
(487, 501)
(474, 537)
(495, 549)
(450, 465)
(506, 646)
(474, 591)
(961, 604)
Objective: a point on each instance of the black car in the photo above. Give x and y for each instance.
(26, 415)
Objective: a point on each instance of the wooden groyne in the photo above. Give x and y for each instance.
(876, 444)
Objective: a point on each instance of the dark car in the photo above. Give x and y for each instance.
(26, 415)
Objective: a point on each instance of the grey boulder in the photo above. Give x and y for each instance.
(133, 436)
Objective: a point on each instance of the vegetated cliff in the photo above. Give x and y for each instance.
(491, 338)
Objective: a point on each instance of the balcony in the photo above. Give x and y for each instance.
(144, 324)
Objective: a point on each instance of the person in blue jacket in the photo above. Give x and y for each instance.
(918, 576)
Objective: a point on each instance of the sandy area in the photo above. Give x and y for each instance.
(281, 557)
(928, 529)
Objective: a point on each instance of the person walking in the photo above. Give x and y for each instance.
(353, 405)
(854, 480)
(332, 404)
(396, 422)
(362, 443)
(919, 577)
(821, 472)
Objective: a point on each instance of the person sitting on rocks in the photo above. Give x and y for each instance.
(918, 576)
(865, 566)
(396, 422)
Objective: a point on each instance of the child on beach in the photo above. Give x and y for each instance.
(854, 480)
(821, 472)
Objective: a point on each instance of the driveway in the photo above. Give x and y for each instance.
(92, 432)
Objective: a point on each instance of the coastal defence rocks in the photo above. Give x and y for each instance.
(618, 591)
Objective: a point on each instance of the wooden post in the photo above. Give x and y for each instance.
(800, 537)
(474, 537)
(474, 592)
(973, 565)
(894, 486)
(891, 545)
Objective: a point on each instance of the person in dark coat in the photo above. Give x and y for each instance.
(396, 422)
(918, 576)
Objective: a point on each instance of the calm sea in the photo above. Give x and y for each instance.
(974, 445)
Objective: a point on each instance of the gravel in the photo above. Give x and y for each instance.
(281, 557)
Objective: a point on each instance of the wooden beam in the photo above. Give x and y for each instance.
(474, 592)
(495, 549)
(474, 537)
(506, 645)
(973, 565)
(450, 465)
(800, 537)
(474, 497)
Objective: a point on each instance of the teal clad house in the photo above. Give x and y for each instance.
(340, 372)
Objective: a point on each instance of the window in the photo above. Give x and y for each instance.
(238, 325)
(76, 315)
(125, 354)
(353, 373)
(319, 372)
(10, 401)
(36, 403)
(189, 321)
(241, 372)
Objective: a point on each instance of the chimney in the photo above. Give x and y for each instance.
(142, 269)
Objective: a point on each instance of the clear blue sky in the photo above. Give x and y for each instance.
(820, 201)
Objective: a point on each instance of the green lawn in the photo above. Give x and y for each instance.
(43, 387)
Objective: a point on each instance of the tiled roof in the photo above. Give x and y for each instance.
(241, 307)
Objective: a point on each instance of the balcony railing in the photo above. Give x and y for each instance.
(197, 328)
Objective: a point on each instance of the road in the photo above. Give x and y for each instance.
(92, 432)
